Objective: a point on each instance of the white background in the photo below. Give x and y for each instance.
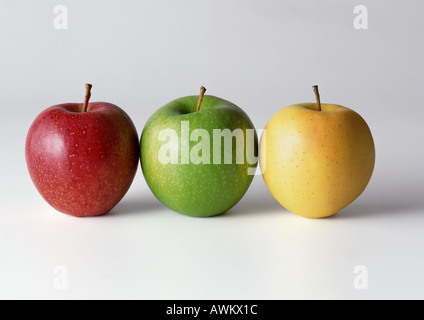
(262, 55)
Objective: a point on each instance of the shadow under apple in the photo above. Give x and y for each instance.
(387, 198)
(384, 196)
(136, 204)
(257, 200)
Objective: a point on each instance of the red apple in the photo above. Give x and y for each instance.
(82, 158)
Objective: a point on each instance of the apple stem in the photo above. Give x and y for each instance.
(317, 97)
(87, 97)
(202, 93)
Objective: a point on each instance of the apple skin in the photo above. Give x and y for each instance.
(199, 190)
(316, 162)
(82, 163)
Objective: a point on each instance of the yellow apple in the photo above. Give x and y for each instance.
(316, 158)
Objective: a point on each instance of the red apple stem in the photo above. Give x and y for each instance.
(87, 97)
(317, 97)
(202, 93)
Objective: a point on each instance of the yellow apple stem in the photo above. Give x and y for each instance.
(87, 97)
(202, 93)
(317, 97)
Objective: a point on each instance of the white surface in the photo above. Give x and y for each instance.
(261, 55)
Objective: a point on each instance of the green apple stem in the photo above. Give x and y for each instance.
(317, 97)
(202, 93)
(87, 97)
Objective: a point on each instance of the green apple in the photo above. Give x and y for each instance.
(199, 154)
